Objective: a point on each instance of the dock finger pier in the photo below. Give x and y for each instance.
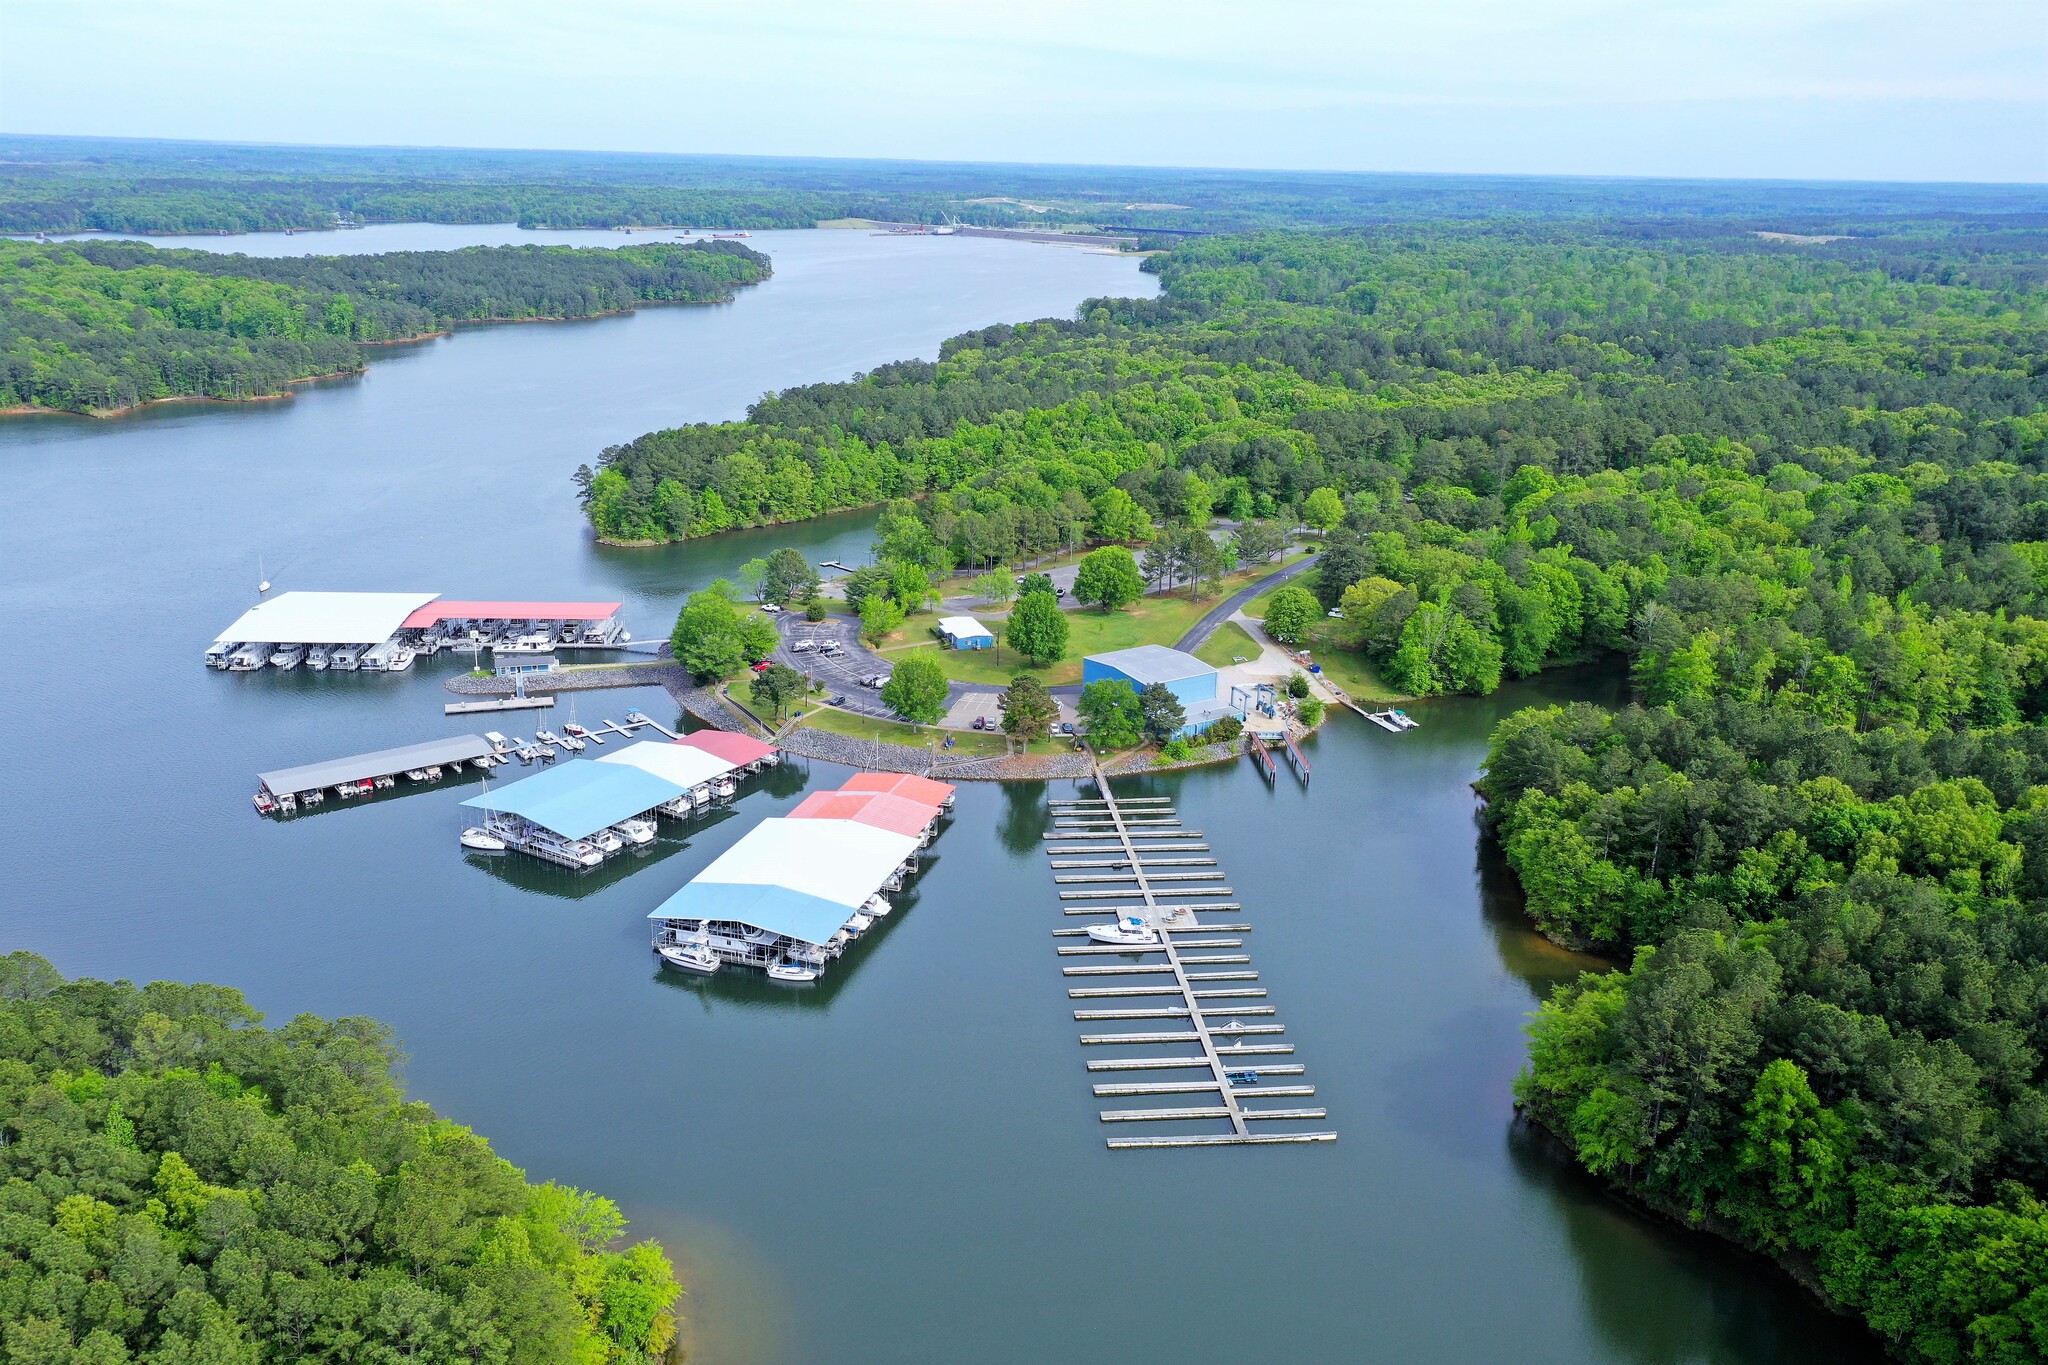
(1162, 925)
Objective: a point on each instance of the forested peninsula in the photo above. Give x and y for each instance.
(101, 327)
(1801, 489)
(179, 1184)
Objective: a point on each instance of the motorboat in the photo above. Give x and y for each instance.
(217, 653)
(858, 924)
(1404, 720)
(288, 656)
(347, 658)
(725, 789)
(317, 657)
(635, 831)
(792, 971)
(265, 803)
(585, 853)
(1129, 931)
(571, 743)
(607, 841)
(688, 957)
(875, 905)
(547, 736)
(482, 840)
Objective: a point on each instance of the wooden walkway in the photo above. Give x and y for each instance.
(1195, 1004)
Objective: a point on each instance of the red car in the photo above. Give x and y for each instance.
(763, 666)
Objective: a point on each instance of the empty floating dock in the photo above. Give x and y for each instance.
(1200, 1010)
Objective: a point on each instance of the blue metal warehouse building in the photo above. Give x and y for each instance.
(1188, 678)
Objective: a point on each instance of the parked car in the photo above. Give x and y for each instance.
(802, 646)
(1334, 614)
(1066, 727)
(839, 700)
(771, 606)
(763, 666)
(831, 648)
(981, 722)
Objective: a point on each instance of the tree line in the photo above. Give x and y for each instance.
(179, 1183)
(97, 326)
(1804, 496)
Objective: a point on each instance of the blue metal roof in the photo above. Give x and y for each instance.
(1145, 664)
(579, 798)
(777, 909)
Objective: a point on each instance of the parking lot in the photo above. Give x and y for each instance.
(839, 674)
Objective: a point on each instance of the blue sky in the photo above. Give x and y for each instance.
(1833, 89)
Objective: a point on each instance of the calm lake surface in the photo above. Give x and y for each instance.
(902, 1164)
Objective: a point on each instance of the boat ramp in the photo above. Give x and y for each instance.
(1110, 860)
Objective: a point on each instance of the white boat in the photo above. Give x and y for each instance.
(875, 905)
(858, 924)
(725, 789)
(792, 971)
(608, 841)
(635, 831)
(547, 736)
(288, 656)
(482, 840)
(688, 957)
(572, 743)
(317, 657)
(1130, 931)
(347, 658)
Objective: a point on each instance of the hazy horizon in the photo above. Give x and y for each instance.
(1898, 91)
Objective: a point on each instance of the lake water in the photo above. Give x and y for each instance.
(902, 1164)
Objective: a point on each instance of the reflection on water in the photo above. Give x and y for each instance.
(902, 1162)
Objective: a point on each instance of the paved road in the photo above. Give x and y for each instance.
(1204, 628)
(842, 673)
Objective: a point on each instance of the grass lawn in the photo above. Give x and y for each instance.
(1156, 620)
(1349, 669)
(1228, 645)
(970, 742)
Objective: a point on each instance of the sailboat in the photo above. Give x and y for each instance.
(484, 838)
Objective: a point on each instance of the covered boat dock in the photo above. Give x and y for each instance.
(285, 789)
(790, 889)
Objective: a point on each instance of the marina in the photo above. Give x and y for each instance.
(1403, 974)
(794, 893)
(587, 809)
(1149, 929)
(385, 631)
(284, 791)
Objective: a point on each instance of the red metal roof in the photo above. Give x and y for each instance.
(897, 814)
(922, 790)
(728, 746)
(510, 611)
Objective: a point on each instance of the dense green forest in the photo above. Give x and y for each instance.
(59, 184)
(180, 1185)
(98, 326)
(1802, 489)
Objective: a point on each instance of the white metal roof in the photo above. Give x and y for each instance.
(834, 860)
(1153, 664)
(326, 618)
(959, 626)
(683, 764)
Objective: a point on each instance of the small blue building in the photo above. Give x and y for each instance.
(514, 665)
(1188, 678)
(964, 632)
